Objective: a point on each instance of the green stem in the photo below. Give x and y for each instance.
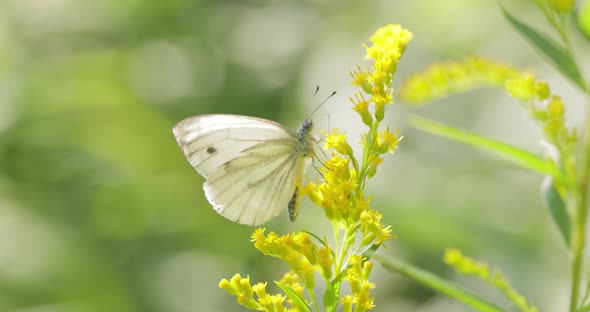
(312, 296)
(343, 250)
(580, 216)
(436, 283)
(336, 237)
(371, 141)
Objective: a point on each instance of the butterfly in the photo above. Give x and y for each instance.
(253, 167)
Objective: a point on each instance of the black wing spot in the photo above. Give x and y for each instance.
(211, 150)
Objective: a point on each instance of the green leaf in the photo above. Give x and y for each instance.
(298, 301)
(560, 57)
(319, 239)
(369, 252)
(436, 283)
(511, 153)
(557, 208)
(583, 18)
(332, 293)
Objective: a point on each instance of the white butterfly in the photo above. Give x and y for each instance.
(253, 166)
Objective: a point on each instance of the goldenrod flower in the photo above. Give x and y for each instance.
(388, 45)
(337, 141)
(357, 276)
(326, 261)
(443, 79)
(260, 289)
(240, 287)
(467, 266)
(362, 78)
(372, 229)
(548, 109)
(522, 88)
(347, 302)
(272, 302)
(373, 162)
(470, 267)
(360, 206)
(387, 141)
(335, 193)
(361, 106)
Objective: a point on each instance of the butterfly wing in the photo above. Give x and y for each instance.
(251, 164)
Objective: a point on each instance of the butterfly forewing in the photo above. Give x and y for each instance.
(251, 164)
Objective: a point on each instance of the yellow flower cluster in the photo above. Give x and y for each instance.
(526, 88)
(470, 267)
(298, 251)
(548, 110)
(389, 43)
(337, 141)
(372, 229)
(357, 276)
(335, 192)
(338, 195)
(244, 292)
(293, 281)
(443, 79)
(467, 266)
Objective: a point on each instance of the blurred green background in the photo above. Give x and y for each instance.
(99, 210)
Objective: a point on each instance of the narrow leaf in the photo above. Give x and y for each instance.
(510, 153)
(298, 301)
(370, 251)
(319, 239)
(557, 209)
(557, 54)
(332, 293)
(436, 283)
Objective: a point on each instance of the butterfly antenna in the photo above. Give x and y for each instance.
(322, 103)
(311, 102)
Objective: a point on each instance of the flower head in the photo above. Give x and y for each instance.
(357, 276)
(388, 45)
(481, 270)
(443, 79)
(337, 141)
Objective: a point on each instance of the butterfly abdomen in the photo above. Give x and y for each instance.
(293, 206)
